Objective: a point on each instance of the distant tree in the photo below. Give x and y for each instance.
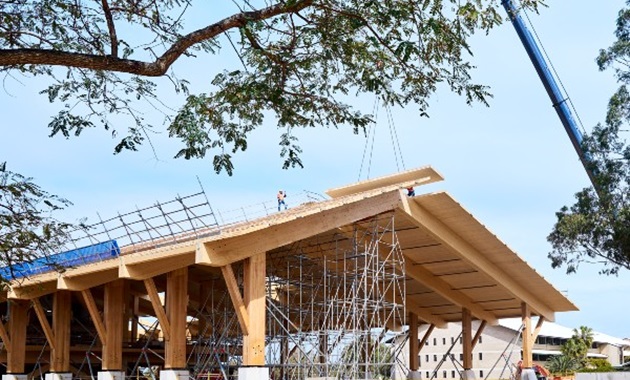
(299, 61)
(578, 345)
(28, 229)
(597, 227)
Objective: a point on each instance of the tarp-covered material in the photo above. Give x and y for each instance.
(75, 257)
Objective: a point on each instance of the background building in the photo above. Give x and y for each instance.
(498, 351)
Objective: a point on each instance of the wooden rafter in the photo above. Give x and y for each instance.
(424, 276)
(235, 296)
(160, 313)
(424, 314)
(449, 239)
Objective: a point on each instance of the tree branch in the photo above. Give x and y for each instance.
(13, 57)
(111, 27)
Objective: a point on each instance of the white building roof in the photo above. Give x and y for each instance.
(555, 330)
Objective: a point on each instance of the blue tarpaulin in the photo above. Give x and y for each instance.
(73, 258)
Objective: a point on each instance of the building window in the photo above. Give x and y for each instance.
(453, 374)
(481, 374)
(426, 343)
(452, 340)
(428, 374)
(427, 358)
(481, 356)
(444, 374)
(460, 340)
(435, 341)
(452, 356)
(434, 358)
(444, 341)
(479, 339)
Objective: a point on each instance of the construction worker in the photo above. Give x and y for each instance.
(411, 192)
(281, 195)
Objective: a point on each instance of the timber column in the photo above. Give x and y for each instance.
(60, 350)
(175, 366)
(414, 348)
(468, 373)
(527, 372)
(114, 315)
(254, 292)
(15, 340)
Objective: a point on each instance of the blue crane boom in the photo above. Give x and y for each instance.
(558, 100)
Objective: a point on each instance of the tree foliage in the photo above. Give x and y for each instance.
(28, 229)
(301, 62)
(597, 227)
(561, 365)
(576, 347)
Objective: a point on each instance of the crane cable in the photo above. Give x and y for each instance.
(370, 132)
(371, 137)
(393, 133)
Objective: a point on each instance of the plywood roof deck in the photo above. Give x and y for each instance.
(452, 260)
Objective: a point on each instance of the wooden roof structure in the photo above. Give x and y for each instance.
(452, 260)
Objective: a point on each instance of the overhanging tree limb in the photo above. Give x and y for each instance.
(15, 57)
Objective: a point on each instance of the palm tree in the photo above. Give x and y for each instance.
(585, 334)
(577, 347)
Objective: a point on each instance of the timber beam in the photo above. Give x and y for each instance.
(141, 267)
(265, 236)
(87, 280)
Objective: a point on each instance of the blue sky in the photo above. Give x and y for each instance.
(511, 165)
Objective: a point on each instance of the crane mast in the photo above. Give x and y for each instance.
(558, 99)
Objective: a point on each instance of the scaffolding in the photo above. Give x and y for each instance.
(335, 304)
(335, 301)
